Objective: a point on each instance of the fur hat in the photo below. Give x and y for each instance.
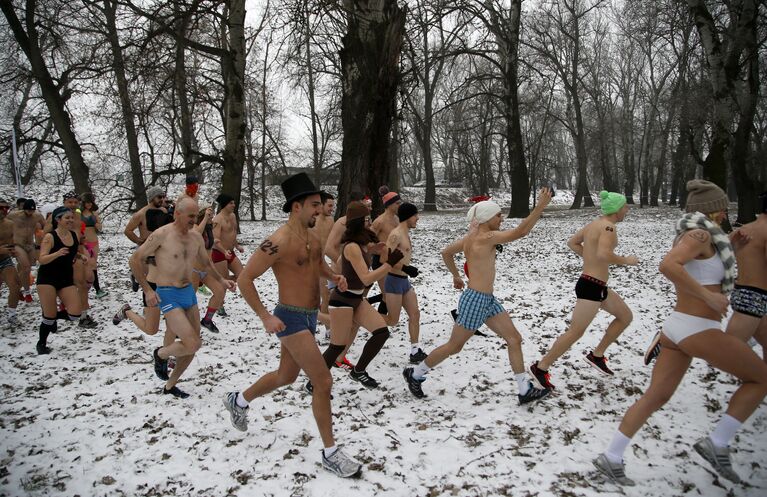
(356, 210)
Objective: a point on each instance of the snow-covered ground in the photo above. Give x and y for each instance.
(89, 419)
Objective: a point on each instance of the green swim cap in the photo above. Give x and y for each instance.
(611, 202)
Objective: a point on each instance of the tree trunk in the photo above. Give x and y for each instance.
(233, 66)
(126, 106)
(54, 100)
(316, 165)
(185, 123)
(370, 75)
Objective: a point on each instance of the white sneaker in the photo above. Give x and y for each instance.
(238, 415)
(341, 464)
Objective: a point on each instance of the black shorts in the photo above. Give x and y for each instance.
(153, 286)
(57, 281)
(590, 288)
(344, 299)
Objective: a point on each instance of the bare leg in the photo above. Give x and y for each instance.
(24, 266)
(504, 327)
(583, 315)
(458, 339)
(149, 323)
(410, 303)
(11, 278)
(623, 317)
(299, 351)
(186, 325)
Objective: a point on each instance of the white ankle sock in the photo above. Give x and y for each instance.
(724, 430)
(523, 382)
(11, 312)
(329, 451)
(414, 347)
(240, 401)
(617, 447)
(419, 372)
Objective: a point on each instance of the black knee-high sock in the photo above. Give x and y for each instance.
(331, 354)
(372, 347)
(96, 285)
(47, 326)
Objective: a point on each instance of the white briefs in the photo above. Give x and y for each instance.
(679, 326)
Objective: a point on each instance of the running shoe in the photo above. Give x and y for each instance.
(718, 457)
(204, 290)
(540, 377)
(364, 378)
(42, 349)
(87, 322)
(345, 364)
(533, 394)
(209, 324)
(176, 392)
(340, 464)
(121, 314)
(13, 321)
(653, 350)
(160, 366)
(454, 314)
(598, 362)
(413, 384)
(222, 312)
(614, 471)
(238, 415)
(418, 356)
(101, 293)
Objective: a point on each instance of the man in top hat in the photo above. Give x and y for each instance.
(595, 243)
(294, 254)
(26, 222)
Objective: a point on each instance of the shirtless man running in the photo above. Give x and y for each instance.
(176, 248)
(7, 268)
(382, 227)
(294, 254)
(749, 298)
(225, 231)
(477, 305)
(323, 227)
(595, 243)
(27, 222)
(399, 291)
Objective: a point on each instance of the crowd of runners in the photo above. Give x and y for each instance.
(324, 270)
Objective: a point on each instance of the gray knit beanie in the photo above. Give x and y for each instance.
(705, 196)
(154, 191)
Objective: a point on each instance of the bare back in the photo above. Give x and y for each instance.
(598, 236)
(752, 255)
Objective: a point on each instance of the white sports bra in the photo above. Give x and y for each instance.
(706, 271)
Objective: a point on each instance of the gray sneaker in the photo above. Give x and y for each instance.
(613, 471)
(13, 321)
(238, 415)
(718, 457)
(340, 464)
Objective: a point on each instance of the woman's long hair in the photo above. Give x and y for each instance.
(356, 232)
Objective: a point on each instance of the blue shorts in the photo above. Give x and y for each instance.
(397, 284)
(172, 297)
(474, 308)
(296, 319)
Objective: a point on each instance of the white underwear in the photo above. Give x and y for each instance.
(679, 326)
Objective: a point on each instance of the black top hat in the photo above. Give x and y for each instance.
(296, 187)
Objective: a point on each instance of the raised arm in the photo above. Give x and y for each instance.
(524, 228)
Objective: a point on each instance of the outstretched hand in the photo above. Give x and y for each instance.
(544, 197)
